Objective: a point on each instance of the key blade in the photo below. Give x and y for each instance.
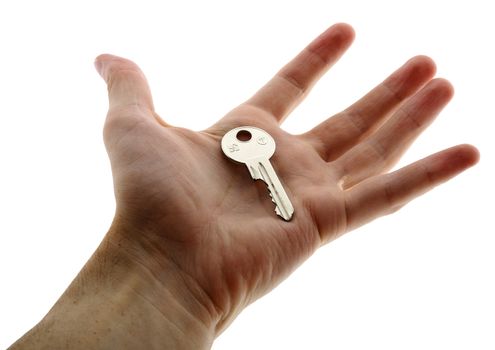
(254, 170)
(283, 206)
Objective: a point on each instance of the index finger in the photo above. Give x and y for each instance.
(293, 82)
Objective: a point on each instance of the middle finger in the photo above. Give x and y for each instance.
(336, 135)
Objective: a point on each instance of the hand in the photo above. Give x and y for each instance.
(194, 240)
(180, 201)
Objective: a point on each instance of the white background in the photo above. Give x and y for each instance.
(420, 279)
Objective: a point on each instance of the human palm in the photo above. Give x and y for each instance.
(187, 203)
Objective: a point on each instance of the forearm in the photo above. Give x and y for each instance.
(116, 302)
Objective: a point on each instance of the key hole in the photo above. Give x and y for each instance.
(244, 135)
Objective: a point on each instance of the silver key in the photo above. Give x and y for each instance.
(254, 147)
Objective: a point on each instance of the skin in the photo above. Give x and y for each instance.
(186, 252)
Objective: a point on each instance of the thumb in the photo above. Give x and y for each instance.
(126, 82)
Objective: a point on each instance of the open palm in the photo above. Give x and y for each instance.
(184, 202)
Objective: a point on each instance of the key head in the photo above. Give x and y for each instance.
(247, 142)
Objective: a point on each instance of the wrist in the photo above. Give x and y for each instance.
(122, 299)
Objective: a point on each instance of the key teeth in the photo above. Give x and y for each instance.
(277, 210)
(273, 199)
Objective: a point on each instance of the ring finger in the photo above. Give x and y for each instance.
(380, 151)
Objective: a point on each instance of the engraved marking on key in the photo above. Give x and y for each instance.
(254, 147)
(262, 140)
(233, 148)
